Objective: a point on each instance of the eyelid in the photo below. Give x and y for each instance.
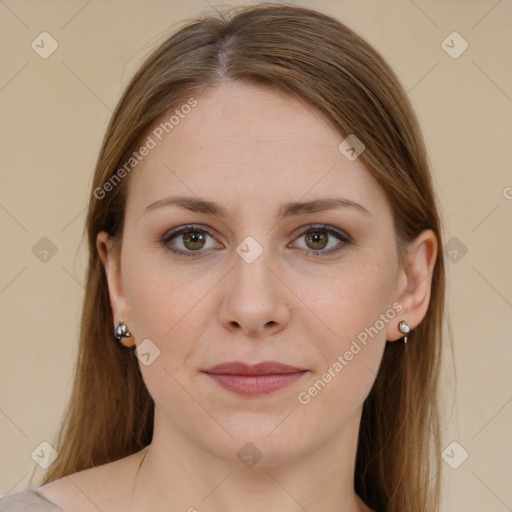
(326, 227)
(343, 237)
(169, 235)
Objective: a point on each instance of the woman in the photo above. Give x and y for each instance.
(263, 230)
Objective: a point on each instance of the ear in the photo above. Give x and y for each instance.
(110, 256)
(414, 282)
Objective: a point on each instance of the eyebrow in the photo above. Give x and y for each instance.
(198, 205)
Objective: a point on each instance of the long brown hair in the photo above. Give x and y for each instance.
(322, 62)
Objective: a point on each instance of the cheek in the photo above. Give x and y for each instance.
(155, 304)
(160, 302)
(358, 309)
(167, 310)
(351, 297)
(168, 305)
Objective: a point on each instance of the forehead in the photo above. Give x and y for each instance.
(235, 142)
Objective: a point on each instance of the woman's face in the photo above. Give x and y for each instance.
(264, 278)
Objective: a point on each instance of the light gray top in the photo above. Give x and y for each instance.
(27, 501)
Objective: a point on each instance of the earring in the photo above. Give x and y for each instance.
(404, 328)
(121, 331)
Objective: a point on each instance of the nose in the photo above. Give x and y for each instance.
(255, 302)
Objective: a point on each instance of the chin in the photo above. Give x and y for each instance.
(260, 445)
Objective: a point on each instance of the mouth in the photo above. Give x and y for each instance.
(253, 380)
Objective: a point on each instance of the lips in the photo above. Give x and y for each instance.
(252, 380)
(264, 368)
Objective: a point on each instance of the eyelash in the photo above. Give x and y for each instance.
(340, 235)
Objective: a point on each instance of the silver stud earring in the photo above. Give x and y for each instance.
(121, 331)
(404, 328)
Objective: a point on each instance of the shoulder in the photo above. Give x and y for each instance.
(28, 500)
(104, 487)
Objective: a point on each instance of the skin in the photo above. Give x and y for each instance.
(251, 149)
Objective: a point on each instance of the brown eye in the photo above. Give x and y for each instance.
(193, 240)
(187, 241)
(317, 238)
(316, 241)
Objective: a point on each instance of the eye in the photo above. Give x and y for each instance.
(191, 239)
(320, 236)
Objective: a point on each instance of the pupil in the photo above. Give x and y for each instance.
(197, 239)
(194, 238)
(315, 238)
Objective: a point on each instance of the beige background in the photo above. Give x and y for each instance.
(55, 112)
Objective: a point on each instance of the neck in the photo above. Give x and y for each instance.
(176, 473)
